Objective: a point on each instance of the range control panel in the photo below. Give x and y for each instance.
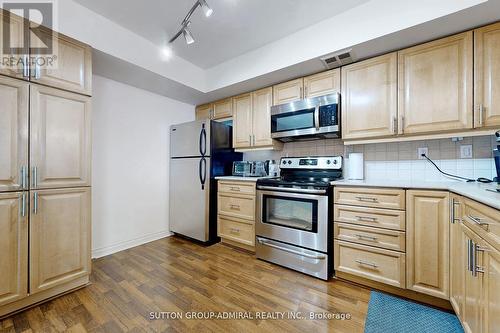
(326, 163)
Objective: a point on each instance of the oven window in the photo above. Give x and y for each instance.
(293, 121)
(295, 213)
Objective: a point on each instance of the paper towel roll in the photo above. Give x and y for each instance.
(356, 166)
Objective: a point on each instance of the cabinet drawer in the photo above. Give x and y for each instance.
(383, 238)
(372, 217)
(379, 265)
(484, 220)
(234, 187)
(370, 197)
(239, 206)
(237, 231)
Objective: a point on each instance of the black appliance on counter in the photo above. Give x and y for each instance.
(496, 153)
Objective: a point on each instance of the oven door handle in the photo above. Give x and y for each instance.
(294, 190)
(263, 242)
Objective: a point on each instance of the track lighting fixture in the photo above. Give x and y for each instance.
(186, 22)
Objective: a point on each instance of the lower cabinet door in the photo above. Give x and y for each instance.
(491, 289)
(13, 247)
(59, 237)
(457, 255)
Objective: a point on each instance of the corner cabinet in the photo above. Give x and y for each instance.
(487, 76)
(369, 98)
(427, 242)
(457, 255)
(435, 86)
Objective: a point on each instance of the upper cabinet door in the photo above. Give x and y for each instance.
(72, 68)
(369, 98)
(223, 109)
(435, 86)
(13, 246)
(287, 92)
(204, 112)
(427, 242)
(262, 101)
(14, 98)
(242, 121)
(16, 40)
(60, 137)
(322, 84)
(487, 76)
(59, 237)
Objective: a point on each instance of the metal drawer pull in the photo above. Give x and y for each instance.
(35, 203)
(23, 204)
(366, 263)
(468, 255)
(291, 251)
(482, 249)
(478, 221)
(479, 270)
(370, 238)
(366, 218)
(235, 189)
(234, 230)
(367, 199)
(234, 206)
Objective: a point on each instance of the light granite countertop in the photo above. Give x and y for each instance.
(241, 179)
(475, 191)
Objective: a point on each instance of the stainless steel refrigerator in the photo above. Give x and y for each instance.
(199, 152)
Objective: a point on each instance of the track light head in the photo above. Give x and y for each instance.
(188, 36)
(206, 8)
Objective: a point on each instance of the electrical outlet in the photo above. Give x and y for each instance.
(423, 150)
(466, 151)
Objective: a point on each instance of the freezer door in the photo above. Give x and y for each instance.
(190, 139)
(189, 197)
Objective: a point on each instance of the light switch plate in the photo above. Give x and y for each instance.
(423, 150)
(466, 151)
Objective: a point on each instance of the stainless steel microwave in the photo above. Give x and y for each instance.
(312, 118)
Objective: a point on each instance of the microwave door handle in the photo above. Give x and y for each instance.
(316, 117)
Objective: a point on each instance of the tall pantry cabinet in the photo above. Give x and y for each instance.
(45, 160)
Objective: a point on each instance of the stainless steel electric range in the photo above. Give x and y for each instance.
(294, 225)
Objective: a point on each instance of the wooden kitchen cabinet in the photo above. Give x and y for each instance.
(14, 101)
(491, 289)
(72, 68)
(435, 86)
(59, 237)
(204, 112)
(321, 84)
(457, 255)
(287, 92)
(369, 98)
(60, 138)
(16, 41)
(13, 246)
(427, 242)
(223, 109)
(487, 76)
(242, 121)
(261, 120)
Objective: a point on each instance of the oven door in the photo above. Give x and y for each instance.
(295, 218)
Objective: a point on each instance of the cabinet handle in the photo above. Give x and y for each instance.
(305, 91)
(366, 263)
(468, 255)
(301, 92)
(22, 177)
(38, 73)
(481, 112)
(235, 189)
(35, 203)
(366, 218)
(35, 177)
(478, 221)
(395, 125)
(482, 249)
(23, 205)
(454, 203)
(366, 199)
(234, 230)
(234, 206)
(402, 124)
(250, 139)
(370, 238)
(26, 66)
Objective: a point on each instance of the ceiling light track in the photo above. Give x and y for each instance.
(187, 21)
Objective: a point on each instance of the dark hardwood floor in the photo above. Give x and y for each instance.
(173, 274)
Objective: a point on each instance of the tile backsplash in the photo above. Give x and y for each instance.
(399, 160)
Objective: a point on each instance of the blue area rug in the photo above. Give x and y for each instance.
(395, 315)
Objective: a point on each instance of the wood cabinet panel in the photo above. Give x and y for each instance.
(487, 76)
(321, 84)
(60, 138)
(72, 69)
(236, 230)
(14, 99)
(13, 247)
(240, 206)
(435, 86)
(59, 237)
(16, 40)
(223, 109)
(457, 255)
(242, 121)
(369, 98)
(371, 217)
(491, 290)
(236, 188)
(288, 92)
(203, 112)
(378, 237)
(261, 104)
(428, 233)
(370, 197)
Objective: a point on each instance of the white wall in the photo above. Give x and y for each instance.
(130, 164)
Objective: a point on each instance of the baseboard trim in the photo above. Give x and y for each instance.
(107, 250)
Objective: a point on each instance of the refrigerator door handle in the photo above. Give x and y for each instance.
(203, 140)
(203, 172)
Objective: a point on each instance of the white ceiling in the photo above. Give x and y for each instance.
(235, 28)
